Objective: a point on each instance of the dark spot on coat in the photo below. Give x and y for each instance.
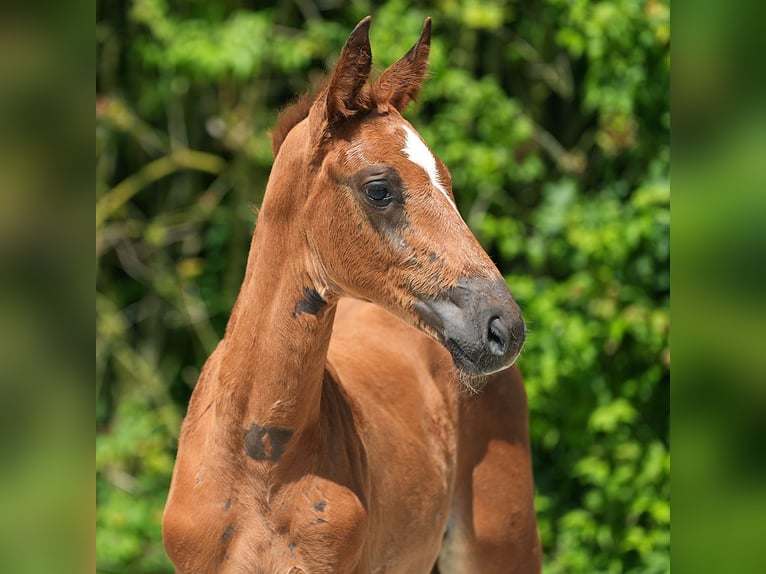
(291, 546)
(227, 506)
(320, 506)
(266, 443)
(413, 261)
(311, 303)
(320, 521)
(227, 534)
(433, 257)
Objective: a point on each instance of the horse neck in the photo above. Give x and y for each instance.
(275, 347)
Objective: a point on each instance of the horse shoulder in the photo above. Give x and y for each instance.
(401, 386)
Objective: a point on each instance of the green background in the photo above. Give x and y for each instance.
(553, 117)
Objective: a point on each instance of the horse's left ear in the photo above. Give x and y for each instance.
(400, 83)
(345, 90)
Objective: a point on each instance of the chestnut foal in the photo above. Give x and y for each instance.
(328, 432)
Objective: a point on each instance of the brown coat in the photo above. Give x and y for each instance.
(328, 434)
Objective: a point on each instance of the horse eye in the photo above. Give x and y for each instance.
(377, 193)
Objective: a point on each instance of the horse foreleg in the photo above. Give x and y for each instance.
(492, 526)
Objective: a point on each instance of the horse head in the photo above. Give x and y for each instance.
(374, 210)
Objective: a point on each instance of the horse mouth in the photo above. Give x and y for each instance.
(467, 355)
(478, 322)
(462, 360)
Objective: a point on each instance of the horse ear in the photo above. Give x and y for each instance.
(345, 92)
(400, 83)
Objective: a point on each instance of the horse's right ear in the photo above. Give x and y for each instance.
(345, 93)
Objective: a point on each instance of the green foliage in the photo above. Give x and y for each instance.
(553, 117)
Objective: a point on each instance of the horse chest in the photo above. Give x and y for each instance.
(311, 525)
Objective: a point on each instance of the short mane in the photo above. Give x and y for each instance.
(288, 118)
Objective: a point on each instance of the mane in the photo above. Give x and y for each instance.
(292, 115)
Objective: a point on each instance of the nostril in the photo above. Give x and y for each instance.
(496, 336)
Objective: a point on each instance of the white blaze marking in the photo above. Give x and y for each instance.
(417, 152)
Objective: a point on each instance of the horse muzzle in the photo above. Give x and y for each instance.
(478, 322)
